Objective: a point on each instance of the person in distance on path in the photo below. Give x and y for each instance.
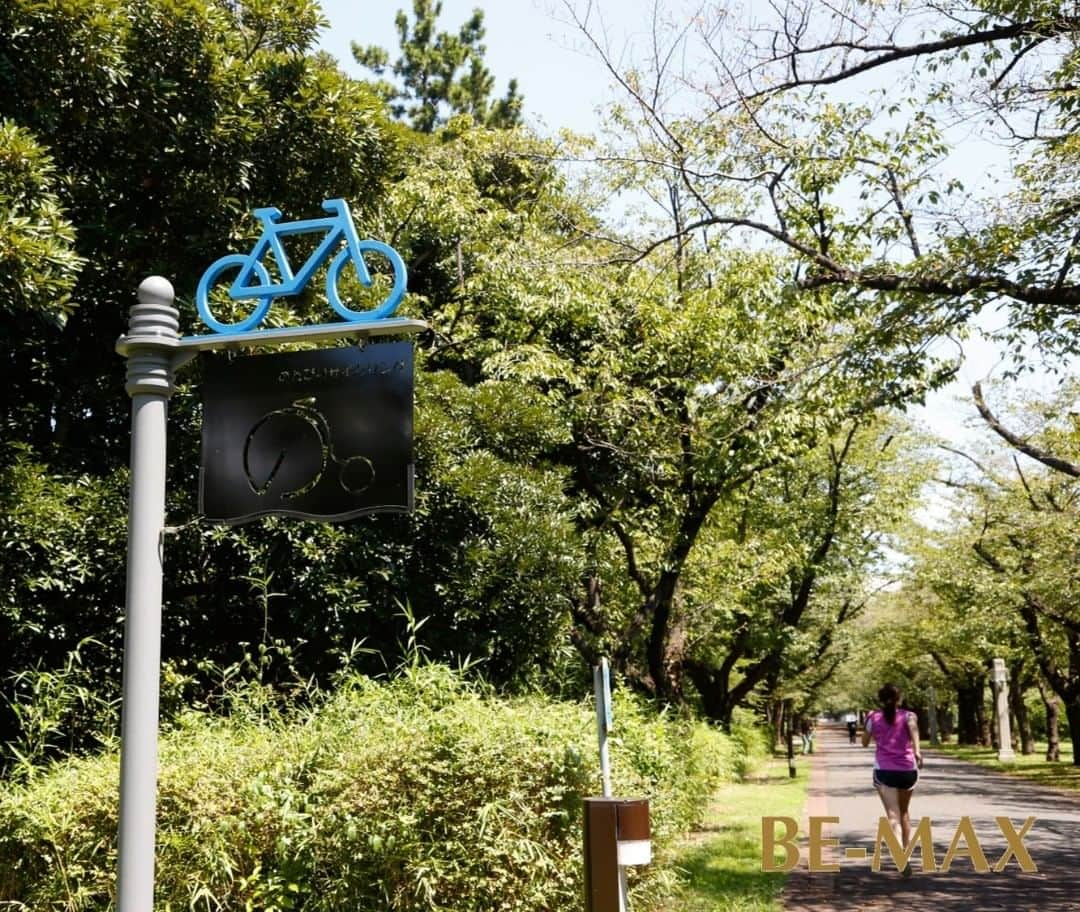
(897, 759)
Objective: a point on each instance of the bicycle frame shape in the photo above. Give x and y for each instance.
(339, 227)
(312, 419)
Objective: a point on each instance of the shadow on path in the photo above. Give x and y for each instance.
(948, 790)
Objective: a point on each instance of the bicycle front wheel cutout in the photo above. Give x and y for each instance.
(213, 296)
(374, 286)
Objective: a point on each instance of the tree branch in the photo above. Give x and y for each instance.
(975, 462)
(1040, 30)
(608, 519)
(1016, 441)
(1023, 480)
(836, 273)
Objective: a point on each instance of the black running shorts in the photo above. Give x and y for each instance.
(897, 779)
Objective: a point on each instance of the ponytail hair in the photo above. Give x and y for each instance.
(889, 697)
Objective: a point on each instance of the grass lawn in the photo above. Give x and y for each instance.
(1033, 767)
(722, 862)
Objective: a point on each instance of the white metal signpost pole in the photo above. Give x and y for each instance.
(151, 347)
(155, 350)
(602, 692)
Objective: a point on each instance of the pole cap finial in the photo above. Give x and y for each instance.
(154, 319)
(156, 290)
(151, 340)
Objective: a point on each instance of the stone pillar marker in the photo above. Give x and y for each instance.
(931, 719)
(1001, 703)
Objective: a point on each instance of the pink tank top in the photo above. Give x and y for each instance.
(894, 748)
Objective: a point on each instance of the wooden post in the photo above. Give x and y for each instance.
(617, 834)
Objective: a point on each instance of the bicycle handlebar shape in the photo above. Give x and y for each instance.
(253, 280)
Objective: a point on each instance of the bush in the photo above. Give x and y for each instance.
(752, 742)
(426, 792)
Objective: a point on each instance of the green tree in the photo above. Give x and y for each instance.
(830, 130)
(162, 149)
(184, 141)
(997, 579)
(156, 150)
(954, 617)
(662, 390)
(38, 270)
(679, 390)
(809, 542)
(441, 73)
(1026, 536)
(776, 148)
(39, 265)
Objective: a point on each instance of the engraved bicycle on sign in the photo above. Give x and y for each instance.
(253, 280)
(300, 432)
(323, 434)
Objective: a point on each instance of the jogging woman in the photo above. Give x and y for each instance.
(897, 759)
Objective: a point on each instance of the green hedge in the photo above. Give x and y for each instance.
(424, 793)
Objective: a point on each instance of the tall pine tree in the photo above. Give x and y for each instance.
(440, 74)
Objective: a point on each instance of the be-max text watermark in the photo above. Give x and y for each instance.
(964, 844)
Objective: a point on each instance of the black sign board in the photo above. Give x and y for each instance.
(323, 435)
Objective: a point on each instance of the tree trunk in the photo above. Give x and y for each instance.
(995, 725)
(981, 717)
(922, 716)
(661, 607)
(777, 721)
(718, 698)
(789, 736)
(1023, 719)
(969, 706)
(1065, 685)
(1072, 713)
(1053, 716)
(716, 702)
(1022, 731)
(945, 722)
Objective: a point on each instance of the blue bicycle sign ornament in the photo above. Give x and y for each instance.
(253, 281)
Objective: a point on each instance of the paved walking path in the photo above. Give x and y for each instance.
(840, 786)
